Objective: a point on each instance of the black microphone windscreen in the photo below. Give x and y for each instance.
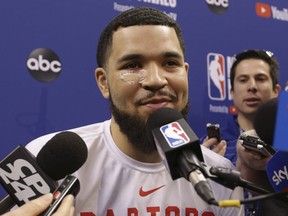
(174, 140)
(265, 120)
(65, 153)
(162, 116)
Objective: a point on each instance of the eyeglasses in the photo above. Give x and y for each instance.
(254, 53)
(269, 53)
(132, 76)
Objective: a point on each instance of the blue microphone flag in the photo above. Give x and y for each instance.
(277, 171)
(281, 125)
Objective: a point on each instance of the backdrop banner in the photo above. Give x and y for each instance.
(48, 58)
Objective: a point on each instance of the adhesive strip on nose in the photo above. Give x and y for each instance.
(132, 77)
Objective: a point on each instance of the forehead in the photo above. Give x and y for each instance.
(147, 39)
(252, 67)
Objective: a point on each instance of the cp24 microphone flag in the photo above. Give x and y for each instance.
(25, 177)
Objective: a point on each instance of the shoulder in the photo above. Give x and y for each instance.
(85, 132)
(213, 159)
(230, 129)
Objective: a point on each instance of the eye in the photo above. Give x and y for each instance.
(132, 65)
(171, 63)
(262, 78)
(242, 79)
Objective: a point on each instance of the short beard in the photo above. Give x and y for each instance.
(135, 129)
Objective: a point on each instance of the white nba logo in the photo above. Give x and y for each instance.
(174, 134)
(216, 77)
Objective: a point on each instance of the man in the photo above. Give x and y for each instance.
(254, 81)
(141, 67)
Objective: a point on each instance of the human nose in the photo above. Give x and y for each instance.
(155, 78)
(252, 85)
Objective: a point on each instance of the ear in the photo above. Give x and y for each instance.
(277, 90)
(186, 67)
(102, 81)
(232, 93)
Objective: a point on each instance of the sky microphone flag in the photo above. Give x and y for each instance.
(277, 171)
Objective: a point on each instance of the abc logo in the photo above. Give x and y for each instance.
(44, 65)
(218, 6)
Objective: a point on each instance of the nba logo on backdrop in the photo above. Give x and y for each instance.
(174, 134)
(216, 76)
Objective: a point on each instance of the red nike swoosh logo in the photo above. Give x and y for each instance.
(143, 193)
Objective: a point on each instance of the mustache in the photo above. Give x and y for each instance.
(172, 96)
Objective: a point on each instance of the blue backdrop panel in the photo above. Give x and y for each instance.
(71, 28)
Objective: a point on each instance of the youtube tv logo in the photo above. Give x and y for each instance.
(233, 110)
(263, 10)
(271, 11)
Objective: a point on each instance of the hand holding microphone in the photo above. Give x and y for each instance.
(26, 178)
(252, 159)
(38, 205)
(180, 150)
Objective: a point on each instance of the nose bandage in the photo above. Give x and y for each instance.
(132, 76)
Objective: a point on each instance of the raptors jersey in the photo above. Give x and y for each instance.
(113, 184)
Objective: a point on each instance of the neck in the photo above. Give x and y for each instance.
(128, 148)
(245, 122)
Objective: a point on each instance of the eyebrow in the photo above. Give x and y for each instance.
(129, 57)
(257, 74)
(173, 55)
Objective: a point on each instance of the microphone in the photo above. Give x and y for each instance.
(179, 149)
(271, 122)
(265, 120)
(25, 177)
(63, 154)
(277, 171)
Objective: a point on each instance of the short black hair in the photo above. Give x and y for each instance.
(266, 56)
(133, 17)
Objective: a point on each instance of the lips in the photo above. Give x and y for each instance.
(156, 103)
(252, 101)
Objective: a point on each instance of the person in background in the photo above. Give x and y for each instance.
(254, 80)
(141, 68)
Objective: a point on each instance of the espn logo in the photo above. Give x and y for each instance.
(263, 10)
(174, 134)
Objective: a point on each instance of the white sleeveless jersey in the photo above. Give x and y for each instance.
(113, 184)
